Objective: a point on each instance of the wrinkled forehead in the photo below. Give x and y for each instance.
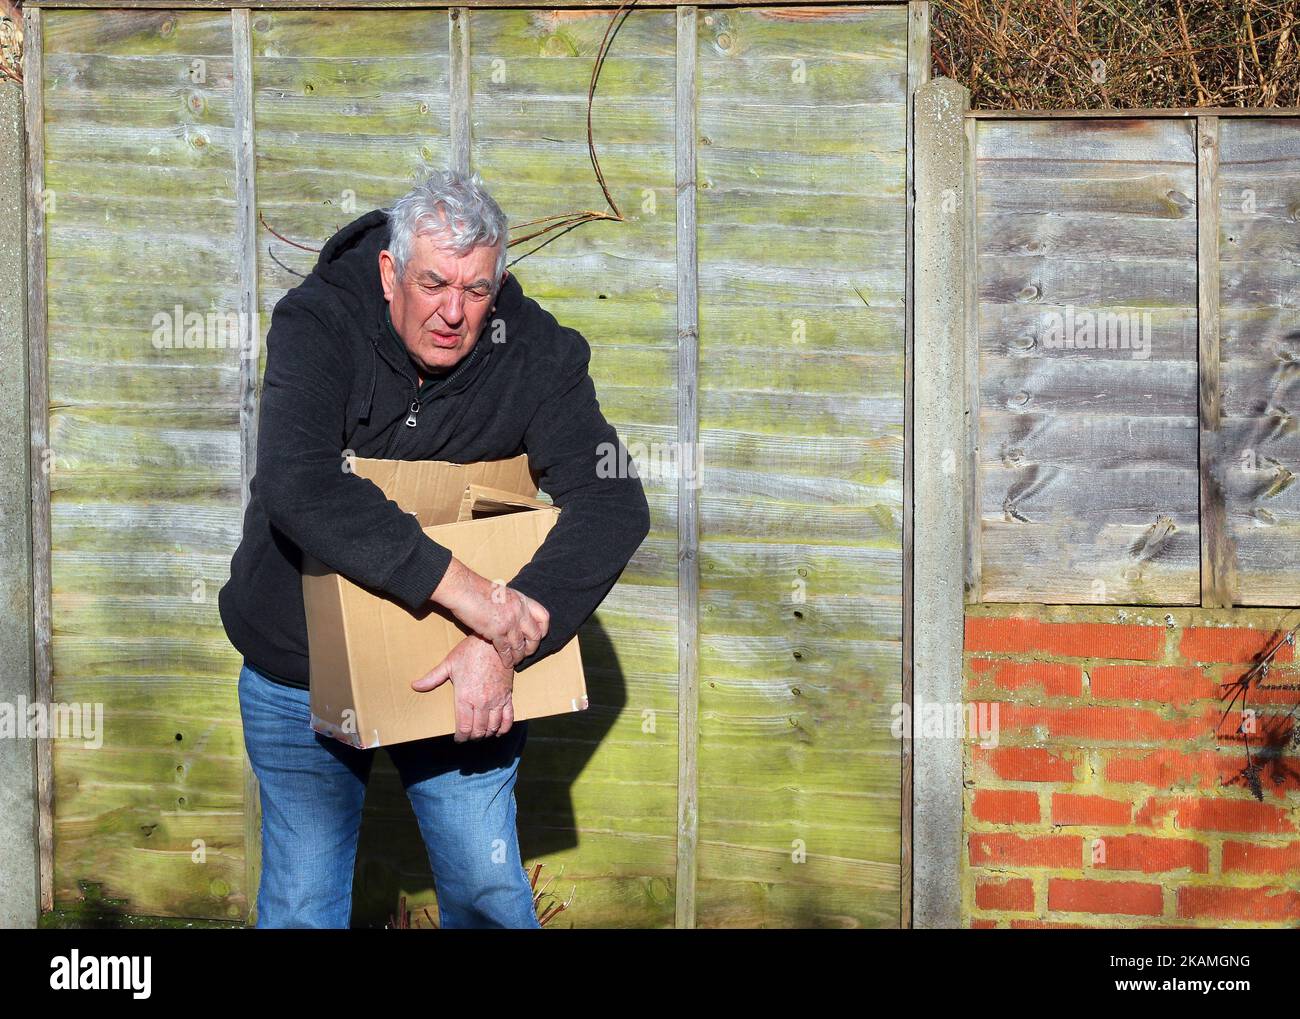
(432, 254)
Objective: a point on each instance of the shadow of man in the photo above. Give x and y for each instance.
(392, 861)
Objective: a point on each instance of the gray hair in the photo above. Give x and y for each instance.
(451, 202)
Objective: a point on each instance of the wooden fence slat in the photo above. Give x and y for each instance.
(1217, 558)
(249, 362)
(458, 87)
(970, 281)
(39, 403)
(1256, 276)
(918, 73)
(688, 425)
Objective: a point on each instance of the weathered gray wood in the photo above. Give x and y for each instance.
(1256, 277)
(809, 441)
(1070, 332)
(38, 403)
(803, 346)
(918, 73)
(1218, 559)
(145, 476)
(688, 508)
(972, 400)
(459, 98)
(250, 337)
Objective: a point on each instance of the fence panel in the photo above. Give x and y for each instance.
(802, 171)
(145, 464)
(1086, 242)
(1259, 354)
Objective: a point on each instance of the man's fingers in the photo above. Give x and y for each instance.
(433, 679)
(506, 651)
(507, 718)
(464, 720)
(508, 658)
(539, 617)
(479, 728)
(494, 721)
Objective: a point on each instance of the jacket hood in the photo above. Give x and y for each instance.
(349, 266)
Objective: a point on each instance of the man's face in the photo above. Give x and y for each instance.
(439, 323)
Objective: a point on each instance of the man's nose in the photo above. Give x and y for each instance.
(453, 308)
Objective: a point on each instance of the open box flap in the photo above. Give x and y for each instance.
(483, 501)
(434, 489)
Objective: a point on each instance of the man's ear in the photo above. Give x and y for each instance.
(387, 274)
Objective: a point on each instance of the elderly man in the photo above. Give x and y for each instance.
(410, 341)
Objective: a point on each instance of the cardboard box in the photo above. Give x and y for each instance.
(366, 649)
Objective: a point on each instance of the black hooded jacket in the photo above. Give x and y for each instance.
(337, 378)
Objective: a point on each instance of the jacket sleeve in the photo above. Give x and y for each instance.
(342, 519)
(604, 516)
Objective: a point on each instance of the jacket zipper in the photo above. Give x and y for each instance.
(415, 389)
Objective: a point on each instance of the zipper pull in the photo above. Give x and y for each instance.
(415, 409)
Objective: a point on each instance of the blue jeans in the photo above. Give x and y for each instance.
(312, 791)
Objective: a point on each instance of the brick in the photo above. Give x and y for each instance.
(1165, 684)
(983, 924)
(1252, 904)
(998, 849)
(1253, 858)
(1204, 769)
(1218, 813)
(1104, 723)
(1269, 728)
(1005, 806)
(1027, 764)
(1150, 854)
(1167, 769)
(1015, 896)
(1048, 925)
(1232, 644)
(1071, 808)
(1019, 635)
(1055, 679)
(1130, 898)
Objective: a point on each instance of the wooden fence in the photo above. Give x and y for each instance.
(1137, 322)
(736, 767)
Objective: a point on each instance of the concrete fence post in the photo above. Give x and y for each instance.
(940, 479)
(19, 873)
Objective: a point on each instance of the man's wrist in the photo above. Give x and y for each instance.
(459, 588)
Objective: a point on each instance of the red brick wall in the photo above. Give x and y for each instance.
(1114, 796)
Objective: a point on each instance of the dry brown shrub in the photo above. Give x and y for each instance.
(1044, 54)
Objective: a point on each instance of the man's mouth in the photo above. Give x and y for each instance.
(445, 339)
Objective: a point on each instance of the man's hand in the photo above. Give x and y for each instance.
(484, 689)
(513, 623)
